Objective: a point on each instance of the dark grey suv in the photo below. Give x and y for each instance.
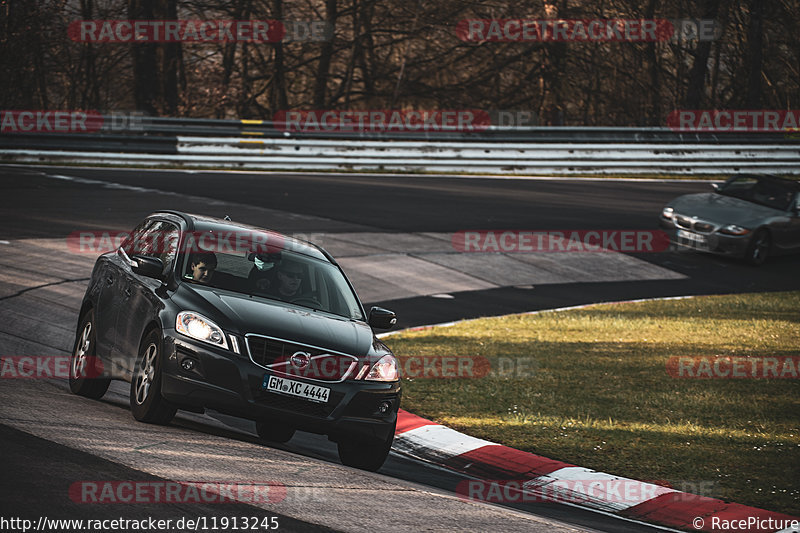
(197, 312)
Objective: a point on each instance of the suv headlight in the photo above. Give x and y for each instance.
(733, 229)
(384, 370)
(667, 213)
(199, 327)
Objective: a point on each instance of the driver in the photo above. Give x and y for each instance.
(202, 266)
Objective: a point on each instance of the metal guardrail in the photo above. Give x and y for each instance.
(559, 150)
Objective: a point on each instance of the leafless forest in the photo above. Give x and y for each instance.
(404, 55)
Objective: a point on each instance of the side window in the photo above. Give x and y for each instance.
(161, 241)
(130, 244)
(154, 238)
(743, 187)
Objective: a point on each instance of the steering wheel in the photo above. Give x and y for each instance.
(307, 301)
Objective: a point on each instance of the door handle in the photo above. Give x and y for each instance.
(110, 280)
(127, 292)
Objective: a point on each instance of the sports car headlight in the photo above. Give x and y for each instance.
(667, 213)
(733, 229)
(199, 327)
(384, 370)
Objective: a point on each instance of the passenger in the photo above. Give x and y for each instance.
(262, 274)
(202, 266)
(290, 280)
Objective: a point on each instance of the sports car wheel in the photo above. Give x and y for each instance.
(758, 249)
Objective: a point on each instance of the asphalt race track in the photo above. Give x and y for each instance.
(392, 235)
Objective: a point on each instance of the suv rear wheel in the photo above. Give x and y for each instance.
(84, 374)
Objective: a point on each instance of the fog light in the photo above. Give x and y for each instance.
(187, 364)
(384, 407)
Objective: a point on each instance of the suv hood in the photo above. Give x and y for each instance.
(242, 314)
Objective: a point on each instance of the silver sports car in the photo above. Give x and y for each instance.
(749, 216)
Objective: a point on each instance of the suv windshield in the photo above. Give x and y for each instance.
(764, 192)
(280, 275)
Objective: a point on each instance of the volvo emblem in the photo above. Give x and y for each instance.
(300, 359)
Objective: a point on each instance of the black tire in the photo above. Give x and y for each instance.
(84, 375)
(274, 432)
(759, 248)
(147, 404)
(365, 454)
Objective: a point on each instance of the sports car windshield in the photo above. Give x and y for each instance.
(764, 192)
(284, 275)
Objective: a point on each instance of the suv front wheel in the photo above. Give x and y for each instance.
(274, 432)
(365, 453)
(147, 404)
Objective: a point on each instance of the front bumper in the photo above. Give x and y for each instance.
(232, 384)
(713, 242)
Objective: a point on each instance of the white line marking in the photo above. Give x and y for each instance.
(576, 506)
(404, 176)
(121, 186)
(599, 489)
(442, 440)
(541, 311)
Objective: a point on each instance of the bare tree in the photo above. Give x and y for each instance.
(385, 54)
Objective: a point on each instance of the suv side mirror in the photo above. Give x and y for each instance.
(381, 318)
(150, 267)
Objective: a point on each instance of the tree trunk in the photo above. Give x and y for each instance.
(755, 42)
(144, 58)
(697, 75)
(323, 68)
(280, 100)
(170, 64)
(654, 113)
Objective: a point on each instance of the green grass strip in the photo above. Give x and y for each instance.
(592, 388)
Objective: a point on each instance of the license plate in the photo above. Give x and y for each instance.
(693, 238)
(298, 389)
